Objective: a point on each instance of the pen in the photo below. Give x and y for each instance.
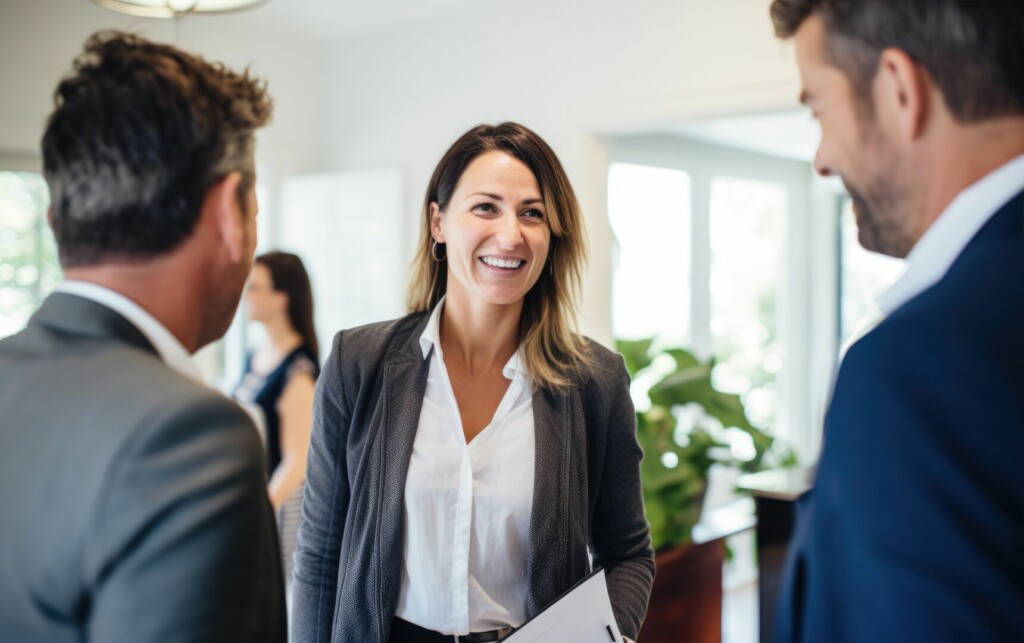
(610, 635)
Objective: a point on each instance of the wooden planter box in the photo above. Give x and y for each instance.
(686, 600)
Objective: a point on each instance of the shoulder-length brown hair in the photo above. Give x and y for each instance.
(554, 352)
(288, 275)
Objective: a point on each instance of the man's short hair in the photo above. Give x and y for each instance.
(139, 132)
(973, 49)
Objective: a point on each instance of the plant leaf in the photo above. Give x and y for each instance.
(636, 353)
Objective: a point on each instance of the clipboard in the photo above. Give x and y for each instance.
(582, 614)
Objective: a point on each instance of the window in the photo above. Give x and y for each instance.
(864, 275)
(724, 252)
(29, 269)
(718, 252)
(748, 222)
(649, 211)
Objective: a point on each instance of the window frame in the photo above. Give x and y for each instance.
(808, 295)
(16, 162)
(27, 163)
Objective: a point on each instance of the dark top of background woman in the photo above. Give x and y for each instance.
(265, 389)
(288, 291)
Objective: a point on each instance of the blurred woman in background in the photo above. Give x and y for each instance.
(278, 382)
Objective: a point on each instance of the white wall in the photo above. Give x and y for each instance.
(572, 71)
(339, 223)
(39, 38)
(396, 96)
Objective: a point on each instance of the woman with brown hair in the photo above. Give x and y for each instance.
(278, 380)
(470, 459)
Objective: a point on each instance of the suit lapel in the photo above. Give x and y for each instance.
(405, 383)
(558, 502)
(548, 555)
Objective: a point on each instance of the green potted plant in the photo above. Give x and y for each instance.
(677, 459)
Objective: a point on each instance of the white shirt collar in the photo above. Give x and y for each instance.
(943, 242)
(167, 345)
(431, 338)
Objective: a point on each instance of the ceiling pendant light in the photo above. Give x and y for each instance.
(174, 8)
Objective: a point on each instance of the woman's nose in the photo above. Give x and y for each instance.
(509, 235)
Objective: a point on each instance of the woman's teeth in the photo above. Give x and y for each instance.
(508, 264)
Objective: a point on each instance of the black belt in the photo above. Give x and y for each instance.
(406, 632)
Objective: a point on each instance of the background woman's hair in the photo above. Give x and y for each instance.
(554, 352)
(289, 276)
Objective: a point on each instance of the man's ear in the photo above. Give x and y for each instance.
(435, 223)
(220, 206)
(904, 90)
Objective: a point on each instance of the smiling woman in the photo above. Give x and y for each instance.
(494, 448)
(499, 186)
(495, 235)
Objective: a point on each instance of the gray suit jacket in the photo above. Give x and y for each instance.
(587, 495)
(134, 504)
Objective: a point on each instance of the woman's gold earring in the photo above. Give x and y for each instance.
(433, 252)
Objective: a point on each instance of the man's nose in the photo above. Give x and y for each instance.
(821, 166)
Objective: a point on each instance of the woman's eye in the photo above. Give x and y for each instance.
(484, 207)
(533, 214)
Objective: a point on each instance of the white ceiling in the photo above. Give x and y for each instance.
(327, 19)
(790, 134)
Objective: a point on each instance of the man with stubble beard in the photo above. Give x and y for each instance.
(914, 530)
(135, 505)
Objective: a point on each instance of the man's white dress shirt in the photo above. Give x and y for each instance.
(943, 242)
(467, 506)
(167, 345)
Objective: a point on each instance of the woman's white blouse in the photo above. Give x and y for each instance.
(467, 506)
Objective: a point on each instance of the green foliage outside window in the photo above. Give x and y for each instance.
(29, 268)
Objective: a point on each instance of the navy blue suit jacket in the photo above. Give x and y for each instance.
(914, 530)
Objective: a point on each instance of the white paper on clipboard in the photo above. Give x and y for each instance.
(582, 615)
